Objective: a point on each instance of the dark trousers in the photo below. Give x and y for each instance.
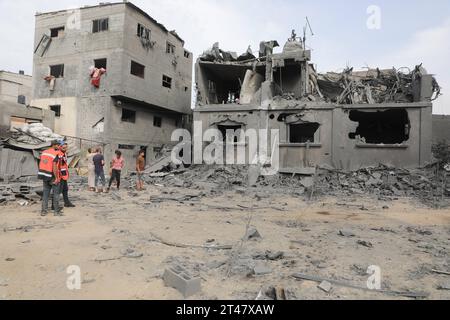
(55, 189)
(64, 189)
(115, 175)
(100, 176)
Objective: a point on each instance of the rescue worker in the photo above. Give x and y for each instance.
(64, 169)
(49, 173)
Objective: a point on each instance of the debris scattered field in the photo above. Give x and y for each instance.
(280, 238)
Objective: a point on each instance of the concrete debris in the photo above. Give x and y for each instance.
(179, 278)
(269, 255)
(366, 244)
(373, 86)
(387, 182)
(325, 286)
(444, 286)
(261, 269)
(408, 294)
(131, 253)
(252, 234)
(346, 233)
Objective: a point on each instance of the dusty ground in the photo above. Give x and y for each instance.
(408, 240)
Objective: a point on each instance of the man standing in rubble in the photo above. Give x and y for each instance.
(64, 168)
(49, 173)
(99, 163)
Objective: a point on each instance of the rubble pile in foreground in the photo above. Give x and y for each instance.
(429, 185)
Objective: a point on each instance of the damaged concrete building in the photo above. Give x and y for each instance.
(112, 74)
(15, 97)
(342, 120)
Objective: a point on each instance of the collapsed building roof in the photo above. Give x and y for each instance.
(292, 77)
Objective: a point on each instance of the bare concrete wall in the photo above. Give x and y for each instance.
(13, 85)
(332, 145)
(66, 123)
(441, 128)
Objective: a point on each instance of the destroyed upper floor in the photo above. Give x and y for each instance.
(289, 79)
(143, 61)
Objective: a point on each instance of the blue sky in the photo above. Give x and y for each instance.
(411, 31)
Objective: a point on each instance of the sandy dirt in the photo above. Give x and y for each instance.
(111, 237)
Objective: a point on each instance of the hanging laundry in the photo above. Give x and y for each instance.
(96, 75)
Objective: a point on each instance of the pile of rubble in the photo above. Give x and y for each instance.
(215, 54)
(371, 86)
(19, 157)
(429, 185)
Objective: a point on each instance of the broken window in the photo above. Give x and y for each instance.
(167, 82)
(57, 32)
(100, 63)
(137, 69)
(170, 48)
(186, 54)
(157, 122)
(303, 132)
(381, 127)
(143, 32)
(128, 115)
(223, 82)
(57, 71)
(100, 25)
(56, 109)
(233, 132)
(126, 147)
(289, 79)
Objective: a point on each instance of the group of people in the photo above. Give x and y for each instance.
(96, 173)
(54, 172)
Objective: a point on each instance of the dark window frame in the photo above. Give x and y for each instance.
(137, 69)
(100, 25)
(157, 122)
(98, 63)
(126, 147)
(54, 32)
(167, 82)
(170, 48)
(143, 32)
(187, 54)
(128, 115)
(303, 132)
(57, 111)
(55, 72)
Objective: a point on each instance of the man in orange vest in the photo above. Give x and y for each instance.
(49, 173)
(64, 169)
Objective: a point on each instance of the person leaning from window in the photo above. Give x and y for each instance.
(117, 164)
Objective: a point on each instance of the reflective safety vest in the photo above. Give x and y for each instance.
(46, 164)
(64, 166)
